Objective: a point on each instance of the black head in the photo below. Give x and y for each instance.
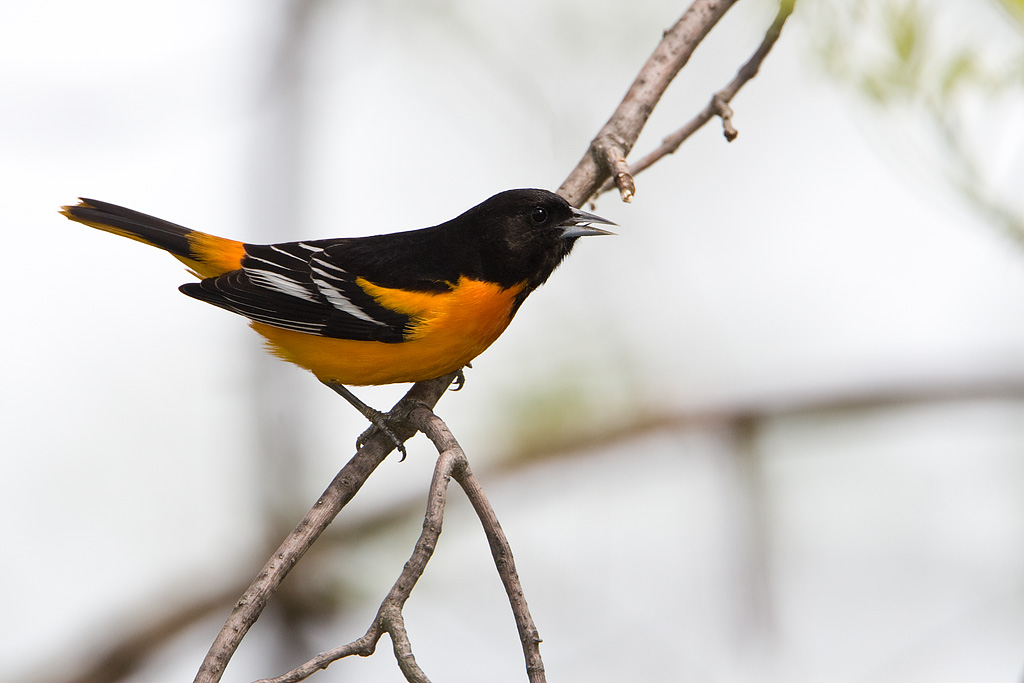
(524, 234)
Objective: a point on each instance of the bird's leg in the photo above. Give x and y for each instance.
(378, 420)
(460, 378)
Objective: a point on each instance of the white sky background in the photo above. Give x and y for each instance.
(793, 261)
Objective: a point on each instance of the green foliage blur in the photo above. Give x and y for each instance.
(948, 79)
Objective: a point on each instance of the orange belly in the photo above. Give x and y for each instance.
(449, 330)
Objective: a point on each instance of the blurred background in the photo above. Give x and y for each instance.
(772, 431)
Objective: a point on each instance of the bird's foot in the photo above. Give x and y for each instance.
(460, 378)
(380, 422)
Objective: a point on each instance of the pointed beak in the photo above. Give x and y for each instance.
(582, 224)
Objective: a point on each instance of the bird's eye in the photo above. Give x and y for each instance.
(539, 215)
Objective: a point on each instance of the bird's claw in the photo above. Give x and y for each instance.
(460, 379)
(380, 424)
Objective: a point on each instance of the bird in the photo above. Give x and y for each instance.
(382, 309)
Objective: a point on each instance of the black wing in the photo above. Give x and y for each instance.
(299, 286)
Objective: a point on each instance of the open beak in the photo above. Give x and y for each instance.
(582, 224)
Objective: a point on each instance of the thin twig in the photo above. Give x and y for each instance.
(451, 463)
(389, 616)
(345, 485)
(617, 137)
(437, 431)
(718, 105)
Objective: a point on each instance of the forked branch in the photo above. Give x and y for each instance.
(345, 485)
(451, 463)
(718, 105)
(607, 153)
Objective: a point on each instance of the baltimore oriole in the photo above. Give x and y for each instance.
(401, 307)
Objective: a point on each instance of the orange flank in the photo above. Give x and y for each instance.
(448, 330)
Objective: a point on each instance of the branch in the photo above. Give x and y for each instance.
(451, 463)
(437, 431)
(345, 485)
(611, 145)
(719, 103)
(389, 616)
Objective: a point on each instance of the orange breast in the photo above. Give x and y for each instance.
(449, 330)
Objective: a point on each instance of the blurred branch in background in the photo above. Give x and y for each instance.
(951, 93)
(322, 596)
(277, 176)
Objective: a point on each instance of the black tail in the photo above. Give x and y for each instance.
(131, 224)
